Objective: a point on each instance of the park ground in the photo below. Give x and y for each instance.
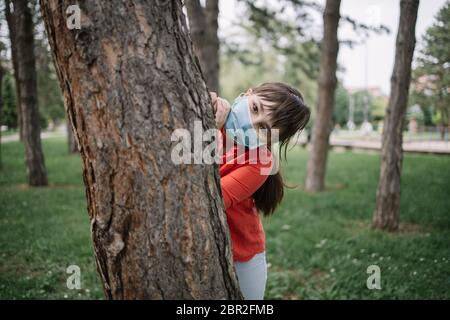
(319, 246)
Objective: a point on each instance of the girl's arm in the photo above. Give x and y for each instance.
(241, 183)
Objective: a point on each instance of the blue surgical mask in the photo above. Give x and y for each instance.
(239, 124)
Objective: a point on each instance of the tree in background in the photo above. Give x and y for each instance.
(203, 27)
(2, 74)
(26, 62)
(49, 92)
(51, 107)
(315, 175)
(51, 104)
(9, 111)
(159, 229)
(431, 76)
(10, 15)
(386, 215)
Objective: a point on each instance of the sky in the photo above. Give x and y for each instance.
(380, 49)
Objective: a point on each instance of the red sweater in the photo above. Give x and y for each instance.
(240, 178)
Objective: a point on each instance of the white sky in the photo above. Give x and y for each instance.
(380, 48)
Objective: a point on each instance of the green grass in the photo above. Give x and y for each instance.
(318, 246)
(44, 230)
(329, 244)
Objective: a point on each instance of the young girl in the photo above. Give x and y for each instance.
(246, 190)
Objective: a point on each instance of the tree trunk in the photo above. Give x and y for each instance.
(317, 163)
(2, 72)
(34, 157)
(10, 18)
(203, 27)
(71, 142)
(386, 215)
(129, 79)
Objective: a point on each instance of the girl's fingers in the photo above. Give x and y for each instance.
(226, 105)
(214, 101)
(213, 97)
(218, 113)
(223, 108)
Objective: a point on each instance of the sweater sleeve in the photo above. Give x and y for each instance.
(241, 184)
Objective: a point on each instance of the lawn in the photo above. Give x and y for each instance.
(318, 246)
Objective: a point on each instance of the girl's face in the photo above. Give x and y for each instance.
(260, 115)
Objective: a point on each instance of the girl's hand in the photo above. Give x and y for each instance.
(213, 100)
(221, 109)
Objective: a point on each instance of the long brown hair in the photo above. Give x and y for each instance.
(290, 115)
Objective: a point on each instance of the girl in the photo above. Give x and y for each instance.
(246, 190)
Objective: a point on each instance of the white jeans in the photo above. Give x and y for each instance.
(252, 276)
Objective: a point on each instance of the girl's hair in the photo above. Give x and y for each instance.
(289, 114)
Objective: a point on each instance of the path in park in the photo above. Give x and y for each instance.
(44, 135)
(425, 146)
(352, 141)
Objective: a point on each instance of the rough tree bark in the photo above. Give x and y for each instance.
(129, 79)
(10, 18)
(71, 142)
(203, 27)
(317, 163)
(386, 215)
(34, 157)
